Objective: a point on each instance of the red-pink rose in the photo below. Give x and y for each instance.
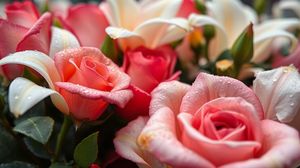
(22, 13)
(147, 69)
(88, 23)
(90, 81)
(216, 122)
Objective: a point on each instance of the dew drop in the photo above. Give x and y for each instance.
(274, 80)
(292, 104)
(291, 96)
(29, 97)
(16, 97)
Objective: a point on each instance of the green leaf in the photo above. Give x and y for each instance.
(38, 128)
(59, 165)
(17, 164)
(108, 48)
(8, 146)
(87, 150)
(36, 148)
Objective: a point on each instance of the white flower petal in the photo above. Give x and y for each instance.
(160, 8)
(263, 43)
(279, 93)
(220, 42)
(62, 39)
(292, 5)
(233, 15)
(24, 94)
(154, 30)
(38, 61)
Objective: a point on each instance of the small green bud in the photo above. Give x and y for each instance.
(260, 6)
(108, 48)
(242, 49)
(209, 32)
(200, 6)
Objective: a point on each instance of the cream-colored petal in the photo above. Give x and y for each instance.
(220, 41)
(126, 38)
(24, 94)
(292, 5)
(160, 8)
(62, 39)
(124, 14)
(279, 92)
(38, 61)
(154, 30)
(263, 44)
(233, 15)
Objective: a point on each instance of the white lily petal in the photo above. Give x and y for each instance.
(160, 8)
(38, 61)
(287, 5)
(220, 42)
(276, 24)
(263, 44)
(279, 93)
(24, 94)
(234, 15)
(124, 13)
(161, 28)
(62, 39)
(127, 38)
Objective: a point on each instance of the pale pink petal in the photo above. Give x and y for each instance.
(229, 151)
(159, 137)
(281, 148)
(126, 144)
(118, 97)
(208, 87)
(293, 58)
(60, 40)
(38, 36)
(22, 13)
(279, 93)
(168, 94)
(38, 61)
(24, 94)
(88, 23)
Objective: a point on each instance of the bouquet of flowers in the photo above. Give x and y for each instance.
(150, 83)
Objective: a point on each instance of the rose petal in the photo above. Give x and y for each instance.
(208, 87)
(160, 139)
(24, 94)
(280, 140)
(118, 97)
(168, 94)
(60, 40)
(126, 146)
(279, 93)
(38, 61)
(22, 13)
(38, 36)
(88, 23)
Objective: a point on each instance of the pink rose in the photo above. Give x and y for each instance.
(88, 23)
(187, 7)
(216, 122)
(22, 13)
(147, 69)
(89, 81)
(24, 29)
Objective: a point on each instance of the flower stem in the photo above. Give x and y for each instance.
(61, 137)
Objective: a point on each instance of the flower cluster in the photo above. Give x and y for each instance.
(150, 83)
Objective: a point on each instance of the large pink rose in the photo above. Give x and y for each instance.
(89, 81)
(216, 122)
(147, 69)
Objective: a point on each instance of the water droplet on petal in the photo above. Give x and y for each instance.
(292, 104)
(291, 96)
(16, 97)
(274, 80)
(29, 97)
